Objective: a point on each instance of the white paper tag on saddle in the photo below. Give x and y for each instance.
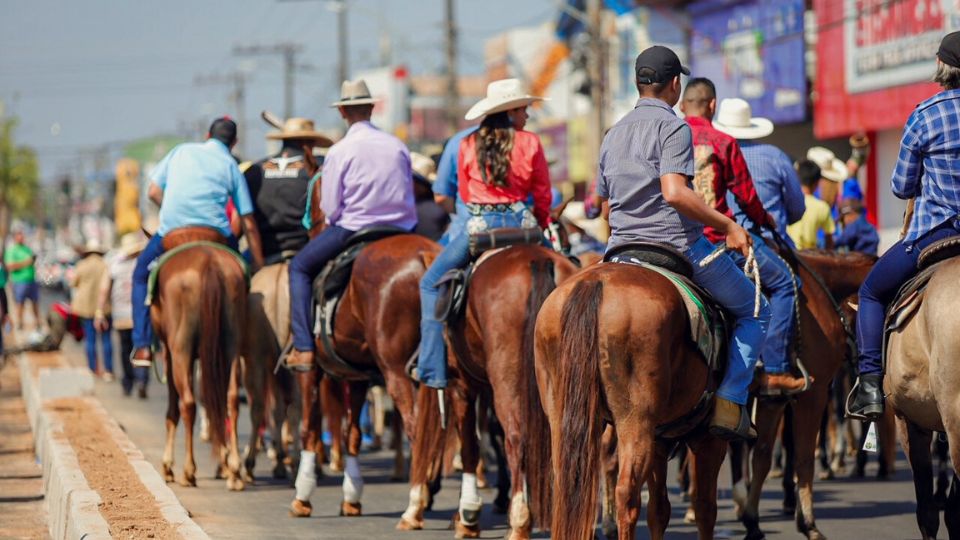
(870, 442)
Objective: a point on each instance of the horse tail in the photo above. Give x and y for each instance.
(428, 437)
(536, 449)
(214, 364)
(577, 447)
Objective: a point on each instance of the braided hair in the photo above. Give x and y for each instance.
(494, 145)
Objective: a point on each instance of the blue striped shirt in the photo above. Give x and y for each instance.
(777, 186)
(927, 166)
(647, 143)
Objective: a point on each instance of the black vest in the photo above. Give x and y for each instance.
(278, 187)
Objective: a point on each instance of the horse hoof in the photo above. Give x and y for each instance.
(235, 484)
(754, 535)
(279, 472)
(814, 534)
(409, 525)
(168, 475)
(461, 530)
(219, 475)
(188, 481)
(349, 509)
(514, 534)
(300, 508)
(336, 466)
(482, 482)
(775, 473)
(826, 475)
(690, 516)
(789, 510)
(248, 477)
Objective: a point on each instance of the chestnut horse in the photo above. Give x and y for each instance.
(921, 383)
(612, 345)
(493, 351)
(199, 311)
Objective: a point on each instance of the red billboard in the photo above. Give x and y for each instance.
(874, 61)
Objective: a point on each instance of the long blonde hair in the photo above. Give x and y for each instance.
(494, 145)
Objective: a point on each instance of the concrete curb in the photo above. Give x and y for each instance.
(72, 507)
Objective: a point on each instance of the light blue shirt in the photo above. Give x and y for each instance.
(446, 182)
(197, 179)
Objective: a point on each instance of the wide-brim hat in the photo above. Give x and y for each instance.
(300, 128)
(831, 167)
(354, 93)
(132, 244)
(423, 167)
(735, 118)
(91, 246)
(502, 95)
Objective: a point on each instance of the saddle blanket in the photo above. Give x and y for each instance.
(155, 268)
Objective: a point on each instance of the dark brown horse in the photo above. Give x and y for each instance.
(493, 352)
(612, 345)
(199, 313)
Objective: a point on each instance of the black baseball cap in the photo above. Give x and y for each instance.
(949, 52)
(664, 62)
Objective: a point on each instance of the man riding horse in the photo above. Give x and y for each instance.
(926, 172)
(646, 163)
(192, 185)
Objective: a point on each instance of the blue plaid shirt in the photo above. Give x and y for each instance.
(927, 167)
(777, 186)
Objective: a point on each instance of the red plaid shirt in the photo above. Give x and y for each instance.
(719, 166)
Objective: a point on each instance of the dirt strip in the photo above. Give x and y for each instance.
(128, 507)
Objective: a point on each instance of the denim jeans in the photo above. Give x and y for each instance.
(458, 223)
(894, 268)
(432, 364)
(90, 334)
(734, 291)
(304, 267)
(777, 279)
(131, 375)
(142, 328)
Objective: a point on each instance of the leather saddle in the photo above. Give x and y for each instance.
(328, 289)
(184, 238)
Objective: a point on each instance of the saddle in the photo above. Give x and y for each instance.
(328, 289)
(708, 322)
(185, 238)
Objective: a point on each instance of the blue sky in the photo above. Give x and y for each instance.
(81, 74)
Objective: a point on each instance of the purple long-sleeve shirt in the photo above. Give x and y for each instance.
(367, 181)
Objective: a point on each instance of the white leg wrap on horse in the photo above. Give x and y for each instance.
(470, 501)
(352, 481)
(412, 512)
(519, 511)
(306, 475)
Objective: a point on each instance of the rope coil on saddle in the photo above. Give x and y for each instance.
(750, 268)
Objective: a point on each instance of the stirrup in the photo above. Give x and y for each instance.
(875, 409)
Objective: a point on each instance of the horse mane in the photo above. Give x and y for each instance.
(838, 257)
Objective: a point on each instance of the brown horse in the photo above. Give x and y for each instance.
(199, 312)
(823, 349)
(493, 352)
(600, 357)
(921, 383)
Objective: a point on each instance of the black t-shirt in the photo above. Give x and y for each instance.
(278, 188)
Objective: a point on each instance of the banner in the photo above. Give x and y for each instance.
(753, 50)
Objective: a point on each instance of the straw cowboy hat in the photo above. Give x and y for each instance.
(300, 128)
(735, 118)
(502, 95)
(831, 167)
(354, 93)
(91, 246)
(132, 244)
(423, 167)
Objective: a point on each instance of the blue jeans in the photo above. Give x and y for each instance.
(304, 267)
(26, 291)
(776, 277)
(90, 334)
(458, 223)
(894, 268)
(142, 328)
(730, 287)
(432, 365)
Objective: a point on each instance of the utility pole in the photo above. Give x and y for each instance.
(597, 72)
(237, 98)
(289, 52)
(343, 69)
(453, 95)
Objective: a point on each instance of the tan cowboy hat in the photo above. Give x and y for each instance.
(735, 118)
(132, 244)
(831, 167)
(502, 95)
(423, 166)
(354, 93)
(300, 128)
(91, 246)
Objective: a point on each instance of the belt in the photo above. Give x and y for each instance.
(477, 209)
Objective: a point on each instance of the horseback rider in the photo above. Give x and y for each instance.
(367, 181)
(499, 166)
(925, 171)
(646, 163)
(191, 185)
(278, 186)
(722, 170)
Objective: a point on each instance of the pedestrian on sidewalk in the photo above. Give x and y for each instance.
(817, 216)
(85, 286)
(115, 298)
(19, 260)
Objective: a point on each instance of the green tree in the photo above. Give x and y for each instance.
(19, 176)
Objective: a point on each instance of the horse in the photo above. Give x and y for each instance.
(199, 311)
(599, 359)
(823, 349)
(921, 382)
(493, 352)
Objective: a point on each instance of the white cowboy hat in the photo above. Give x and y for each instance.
(132, 243)
(423, 166)
(354, 93)
(831, 168)
(735, 118)
(300, 128)
(502, 95)
(91, 246)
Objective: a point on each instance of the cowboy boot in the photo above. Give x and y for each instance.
(772, 384)
(142, 357)
(867, 396)
(299, 360)
(731, 421)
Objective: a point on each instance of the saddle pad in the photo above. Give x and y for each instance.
(155, 271)
(938, 252)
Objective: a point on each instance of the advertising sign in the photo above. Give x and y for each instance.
(752, 50)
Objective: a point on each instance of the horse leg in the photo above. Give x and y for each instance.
(332, 400)
(399, 460)
(887, 431)
(658, 507)
(501, 503)
(808, 412)
(916, 444)
(279, 414)
(768, 417)
(788, 444)
(256, 381)
(306, 480)
(467, 518)
(352, 479)
(708, 454)
(608, 457)
(233, 462)
(941, 451)
(822, 451)
(483, 426)
(173, 418)
(951, 511)
(738, 478)
(635, 451)
(183, 371)
(505, 402)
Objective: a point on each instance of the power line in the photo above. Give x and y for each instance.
(289, 52)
